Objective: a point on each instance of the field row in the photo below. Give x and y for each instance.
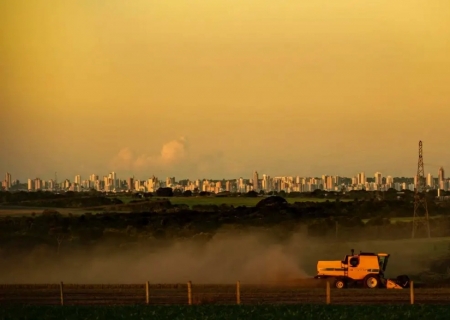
(220, 294)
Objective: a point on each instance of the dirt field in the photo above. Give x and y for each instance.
(166, 294)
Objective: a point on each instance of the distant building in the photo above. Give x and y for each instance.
(378, 178)
(255, 181)
(130, 183)
(30, 185)
(8, 181)
(441, 175)
(430, 181)
(38, 184)
(362, 178)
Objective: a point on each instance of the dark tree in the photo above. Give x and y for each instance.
(164, 192)
(251, 194)
(187, 193)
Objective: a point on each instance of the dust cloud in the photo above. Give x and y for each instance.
(226, 258)
(255, 257)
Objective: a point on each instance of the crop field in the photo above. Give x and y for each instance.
(281, 312)
(177, 294)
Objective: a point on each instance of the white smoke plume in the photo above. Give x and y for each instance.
(174, 159)
(172, 153)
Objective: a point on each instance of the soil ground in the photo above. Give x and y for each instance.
(167, 294)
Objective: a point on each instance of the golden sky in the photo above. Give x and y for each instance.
(220, 88)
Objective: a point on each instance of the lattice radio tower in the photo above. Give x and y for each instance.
(420, 218)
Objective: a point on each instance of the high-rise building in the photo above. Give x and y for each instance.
(130, 183)
(37, 184)
(329, 183)
(378, 178)
(170, 181)
(337, 180)
(255, 181)
(8, 181)
(430, 181)
(441, 175)
(30, 185)
(266, 185)
(78, 179)
(66, 184)
(362, 178)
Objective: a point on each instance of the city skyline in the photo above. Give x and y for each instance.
(440, 172)
(218, 88)
(266, 182)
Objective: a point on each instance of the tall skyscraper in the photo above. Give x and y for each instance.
(37, 184)
(441, 179)
(114, 180)
(8, 181)
(30, 185)
(130, 183)
(78, 179)
(441, 174)
(378, 178)
(255, 181)
(329, 184)
(362, 178)
(430, 181)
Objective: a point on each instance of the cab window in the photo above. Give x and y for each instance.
(354, 262)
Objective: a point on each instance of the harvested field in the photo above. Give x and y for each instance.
(170, 294)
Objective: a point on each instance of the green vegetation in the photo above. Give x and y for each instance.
(230, 201)
(279, 312)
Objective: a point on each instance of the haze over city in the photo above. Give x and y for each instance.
(217, 89)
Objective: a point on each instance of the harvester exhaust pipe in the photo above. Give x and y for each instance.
(353, 252)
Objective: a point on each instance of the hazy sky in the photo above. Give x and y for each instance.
(220, 88)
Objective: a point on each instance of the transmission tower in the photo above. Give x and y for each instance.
(420, 218)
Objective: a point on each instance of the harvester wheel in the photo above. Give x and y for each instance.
(371, 281)
(339, 284)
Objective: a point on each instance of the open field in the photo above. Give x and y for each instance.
(278, 312)
(24, 211)
(234, 201)
(189, 201)
(169, 294)
(403, 219)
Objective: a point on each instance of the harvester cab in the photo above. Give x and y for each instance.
(365, 268)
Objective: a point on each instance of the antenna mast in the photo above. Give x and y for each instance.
(420, 218)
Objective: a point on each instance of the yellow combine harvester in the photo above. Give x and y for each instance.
(364, 268)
